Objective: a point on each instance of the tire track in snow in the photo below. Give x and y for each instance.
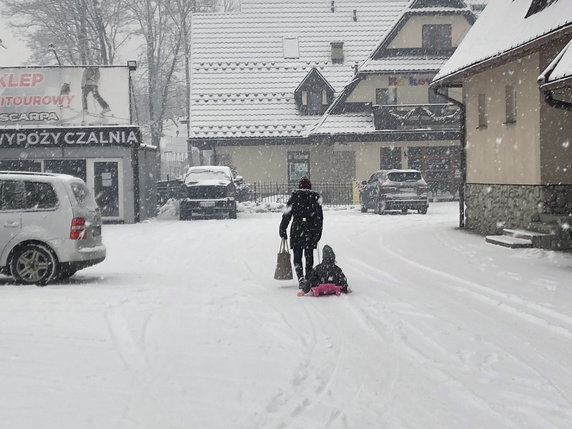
(421, 351)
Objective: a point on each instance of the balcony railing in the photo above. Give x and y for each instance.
(416, 116)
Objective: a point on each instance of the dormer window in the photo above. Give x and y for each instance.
(538, 6)
(290, 47)
(436, 36)
(314, 94)
(337, 52)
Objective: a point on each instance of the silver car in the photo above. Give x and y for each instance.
(394, 190)
(50, 227)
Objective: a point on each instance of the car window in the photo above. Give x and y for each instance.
(81, 193)
(40, 195)
(13, 195)
(404, 176)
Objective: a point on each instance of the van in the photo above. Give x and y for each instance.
(50, 227)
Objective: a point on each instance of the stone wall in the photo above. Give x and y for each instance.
(490, 208)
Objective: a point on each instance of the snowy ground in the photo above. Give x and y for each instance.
(183, 327)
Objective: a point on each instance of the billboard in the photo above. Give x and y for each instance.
(59, 96)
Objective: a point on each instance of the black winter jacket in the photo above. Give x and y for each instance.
(305, 208)
(327, 272)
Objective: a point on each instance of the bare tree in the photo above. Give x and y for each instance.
(82, 31)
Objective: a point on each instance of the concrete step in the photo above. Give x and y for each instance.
(554, 219)
(523, 233)
(508, 241)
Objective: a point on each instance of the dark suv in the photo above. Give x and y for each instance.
(394, 190)
(208, 191)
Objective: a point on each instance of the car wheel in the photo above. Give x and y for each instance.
(423, 210)
(232, 212)
(34, 264)
(363, 209)
(380, 208)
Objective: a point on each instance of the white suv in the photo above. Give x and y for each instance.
(50, 227)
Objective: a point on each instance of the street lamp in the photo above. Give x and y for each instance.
(132, 65)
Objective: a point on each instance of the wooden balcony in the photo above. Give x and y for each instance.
(417, 116)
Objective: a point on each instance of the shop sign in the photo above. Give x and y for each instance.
(64, 96)
(409, 81)
(46, 137)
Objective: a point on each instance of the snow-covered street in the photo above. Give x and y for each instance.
(183, 326)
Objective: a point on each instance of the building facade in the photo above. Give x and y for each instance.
(518, 153)
(299, 88)
(76, 120)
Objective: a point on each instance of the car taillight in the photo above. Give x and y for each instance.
(77, 231)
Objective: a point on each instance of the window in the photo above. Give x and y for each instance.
(436, 36)
(73, 167)
(435, 98)
(337, 52)
(385, 96)
(13, 195)
(40, 196)
(482, 109)
(390, 158)
(510, 104)
(298, 166)
(290, 46)
(315, 101)
(21, 165)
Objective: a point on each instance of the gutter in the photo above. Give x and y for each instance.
(548, 88)
(463, 139)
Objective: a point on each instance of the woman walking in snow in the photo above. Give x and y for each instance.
(305, 208)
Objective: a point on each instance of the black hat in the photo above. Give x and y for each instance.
(329, 255)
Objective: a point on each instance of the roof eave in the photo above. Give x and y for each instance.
(514, 53)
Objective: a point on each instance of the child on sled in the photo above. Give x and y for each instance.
(326, 272)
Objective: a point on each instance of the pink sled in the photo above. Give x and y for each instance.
(326, 289)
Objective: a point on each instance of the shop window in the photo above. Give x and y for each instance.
(21, 165)
(482, 111)
(390, 158)
(298, 166)
(73, 167)
(510, 104)
(40, 196)
(436, 36)
(385, 96)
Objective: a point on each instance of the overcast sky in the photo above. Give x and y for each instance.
(16, 52)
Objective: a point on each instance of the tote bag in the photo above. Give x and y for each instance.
(283, 263)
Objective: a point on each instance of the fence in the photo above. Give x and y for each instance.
(333, 194)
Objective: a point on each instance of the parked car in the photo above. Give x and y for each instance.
(208, 191)
(394, 190)
(50, 227)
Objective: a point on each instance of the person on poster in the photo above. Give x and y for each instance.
(90, 84)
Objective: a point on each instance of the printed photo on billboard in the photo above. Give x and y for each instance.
(64, 96)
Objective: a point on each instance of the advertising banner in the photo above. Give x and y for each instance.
(58, 96)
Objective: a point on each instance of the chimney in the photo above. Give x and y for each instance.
(355, 14)
(333, 6)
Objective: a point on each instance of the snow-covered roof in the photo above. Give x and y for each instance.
(346, 123)
(560, 70)
(242, 86)
(503, 28)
